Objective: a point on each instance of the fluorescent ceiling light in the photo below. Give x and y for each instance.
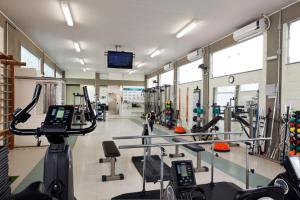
(155, 53)
(81, 61)
(84, 69)
(77, 47)
(132, 71)
(67, 13)
(140, 65)
(186, 29)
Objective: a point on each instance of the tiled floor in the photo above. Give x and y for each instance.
(88, 172)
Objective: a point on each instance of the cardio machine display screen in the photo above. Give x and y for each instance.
(295, 161)
(182, 170)
(59, 115)
(185, 174)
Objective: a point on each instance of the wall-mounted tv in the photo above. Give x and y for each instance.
(120, 60)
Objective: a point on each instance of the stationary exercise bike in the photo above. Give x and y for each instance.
(58, 164)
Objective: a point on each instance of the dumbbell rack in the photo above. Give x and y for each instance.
(168, 114)
(4, 179)
(198, 110)
(294, 133)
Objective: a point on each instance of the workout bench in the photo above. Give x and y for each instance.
(193, 147)
(111, 153)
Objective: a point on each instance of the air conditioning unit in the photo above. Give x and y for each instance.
(168, 67)
(251, 30)
(195, 55)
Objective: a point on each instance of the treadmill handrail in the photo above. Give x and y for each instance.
(24, 113)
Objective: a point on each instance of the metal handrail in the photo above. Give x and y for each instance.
(173, 135)
(191, 142)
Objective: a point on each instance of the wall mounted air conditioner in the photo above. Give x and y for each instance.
(251, 30)
(168, 67)
(195, 55)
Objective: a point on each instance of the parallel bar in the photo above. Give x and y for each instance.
(174, 135)
(187, 143)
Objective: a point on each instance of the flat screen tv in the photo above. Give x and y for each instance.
(120, 60)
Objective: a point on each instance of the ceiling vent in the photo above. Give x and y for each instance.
(251, 30)
(195, 55)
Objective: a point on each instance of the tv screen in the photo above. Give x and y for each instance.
(121, 60)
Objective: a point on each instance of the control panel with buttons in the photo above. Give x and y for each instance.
(59, 116)
(183, 174)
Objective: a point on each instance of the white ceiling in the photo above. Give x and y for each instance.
(138, 25)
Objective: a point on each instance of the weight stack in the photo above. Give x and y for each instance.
(5, 191)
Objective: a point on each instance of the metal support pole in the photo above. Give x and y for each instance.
(163, 153)
(113, 167)
(212, 162)
(247, 166)
(251, 128)
(144, 170)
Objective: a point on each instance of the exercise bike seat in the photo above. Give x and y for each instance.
(273, 192)
(33, 192)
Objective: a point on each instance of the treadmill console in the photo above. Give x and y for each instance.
(183, 174)
(59, 116)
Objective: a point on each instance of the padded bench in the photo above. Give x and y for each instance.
(111, 153)
(193, 147)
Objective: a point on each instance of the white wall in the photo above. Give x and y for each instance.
(103, 94)
(24, 89)
(123, 76)
(80, 74)
(290, 78)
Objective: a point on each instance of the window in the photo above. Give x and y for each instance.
(249, 87)
(190, 72)
(31, 60)
(48, 71)
(167, 78)
(225, 95)
(152, 82)
(242, 57)
(294, 42)
(58, 74)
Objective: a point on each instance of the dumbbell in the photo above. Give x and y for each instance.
(195, 119)
(216, 111)
(200, 111)
(292, 129)
(298, 149)
(292, 119)
(292, 147)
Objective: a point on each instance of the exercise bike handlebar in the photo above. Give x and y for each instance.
(22, 115)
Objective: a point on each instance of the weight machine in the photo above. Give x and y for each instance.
(79, 110)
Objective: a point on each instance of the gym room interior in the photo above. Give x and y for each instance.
(149, 99)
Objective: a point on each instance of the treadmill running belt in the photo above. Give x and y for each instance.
(152, 168)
